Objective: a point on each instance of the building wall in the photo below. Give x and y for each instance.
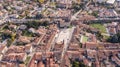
(4, 50)
(1, 57)
(101, 1)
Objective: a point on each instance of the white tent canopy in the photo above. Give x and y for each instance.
(118, 0)
(111, 1)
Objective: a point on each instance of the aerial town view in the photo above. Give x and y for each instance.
(59, 33)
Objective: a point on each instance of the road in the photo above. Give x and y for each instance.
(75, 15)
(72, 19)
(53, 42)
(105, 50)
(105, 34)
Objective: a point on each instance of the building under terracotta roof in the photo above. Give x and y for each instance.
(10, 64)
(24, 39)
(73, 47)
(20, 49)
(13, 57)
(43, 59)
(91, 45)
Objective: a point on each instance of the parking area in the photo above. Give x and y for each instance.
(64, 35)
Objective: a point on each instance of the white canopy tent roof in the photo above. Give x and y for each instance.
(111, 1)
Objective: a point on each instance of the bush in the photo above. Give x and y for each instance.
(78, 64)
(77, 7)
(99, 36)
(95, 13)
(75, 64)
(36, 24)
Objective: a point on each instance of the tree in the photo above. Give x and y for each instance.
(78, 64)
(39, 16)
(95, 13)
(9, 41)
(45, 23)
(99, 36)
(115, 38)
(118, 35)
(75, 64)
(13, 36)
(5, 35)
(41, 1)
(77, 7)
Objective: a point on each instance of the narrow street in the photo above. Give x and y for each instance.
(75, 15)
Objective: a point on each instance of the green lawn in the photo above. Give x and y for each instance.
(84, 39)
(27, 60)
(27, 33)
(106, 37)
(99, 26)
